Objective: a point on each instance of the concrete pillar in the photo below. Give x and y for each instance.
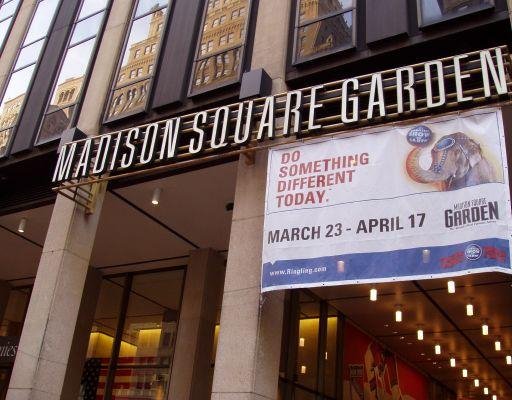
(247, 360)
(191, 376)
(248, 353)
(56, 330)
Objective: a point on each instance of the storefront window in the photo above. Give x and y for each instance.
(68, 86)
(133, 337)
(23, 70)
(323, 27)
(432, 11)
(8, 11)
(221, 48)
(132, 84)
(10, 333)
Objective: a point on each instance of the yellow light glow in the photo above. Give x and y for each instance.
(437, 349)
(464, 373)
(373, 294)
(420, 334)
(451, 287)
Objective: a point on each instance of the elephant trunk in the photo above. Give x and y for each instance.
(419, 174)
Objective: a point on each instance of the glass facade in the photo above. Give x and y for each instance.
(133, 337)
(323, 27)
(8, 9)
(221, 45)
(24, 67)
(70, 81)
(10, 332)
(132, 84)
(438, 10)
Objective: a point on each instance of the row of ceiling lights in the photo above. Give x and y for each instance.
(437, 348)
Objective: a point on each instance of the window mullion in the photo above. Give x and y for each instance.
(111, 373)
(322, 345)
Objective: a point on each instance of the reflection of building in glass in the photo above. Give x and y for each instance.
(218, 57)
(448, 6)
(324, 35)
(61, 107)
(10, 112)
(137, 69)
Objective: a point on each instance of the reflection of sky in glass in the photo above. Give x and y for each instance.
(139, 32)
(86, 28)
(8, 9)
(91, 6)
(18, 83)
(42, 20)
(29, 54)
(430, 9)
(4, 26)
(75, 63)
(145, 6)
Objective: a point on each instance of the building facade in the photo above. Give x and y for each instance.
(132, 269)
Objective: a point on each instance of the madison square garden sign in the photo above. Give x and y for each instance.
(349, 201)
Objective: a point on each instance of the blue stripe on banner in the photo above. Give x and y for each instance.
(403, 264)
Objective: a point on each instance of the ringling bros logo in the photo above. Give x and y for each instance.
(333, 106)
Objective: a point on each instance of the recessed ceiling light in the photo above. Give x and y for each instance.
(373, 294)
(22, 225)
(155, 200)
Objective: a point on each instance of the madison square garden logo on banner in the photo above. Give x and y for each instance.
(397, 203)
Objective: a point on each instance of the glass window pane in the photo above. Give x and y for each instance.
(91, 6)
(325, 36)
(42, 20)
(330, 354)
(134, 77)
(101, 339)
(14, 96)
(87, 28)
(145, 34)
(221, 45)
(129, 99)
(146, 6)
(149, 336)
(307, 352)
(309, 10)
(217, 69)
(5, 137)
(4, 27)
(224, 27)
(8, 9)
(29, 54)
(435, 10)
(14, 315)
(55, 123)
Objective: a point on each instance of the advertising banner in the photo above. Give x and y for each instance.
(406, 202)
(372, 372)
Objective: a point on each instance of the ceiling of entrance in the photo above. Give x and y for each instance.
(20, 252)
(427, 305)
(191, 214)
(133, 233)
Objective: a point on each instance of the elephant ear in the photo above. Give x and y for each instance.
(470, 148)
(474, 153)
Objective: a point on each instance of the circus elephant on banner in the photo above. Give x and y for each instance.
(457, 162)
